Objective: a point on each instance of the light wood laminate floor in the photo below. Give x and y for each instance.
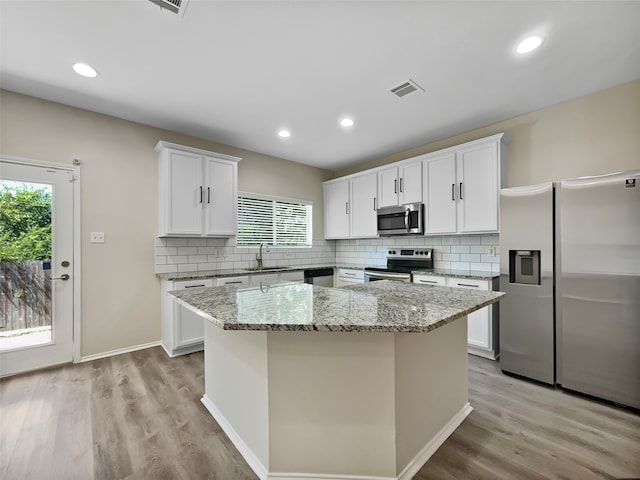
(139, 416)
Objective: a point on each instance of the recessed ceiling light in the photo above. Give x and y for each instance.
(347, 122)
(84, 70)
(529, 44)
(284, 133)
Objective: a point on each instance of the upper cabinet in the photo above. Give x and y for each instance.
(350, 206)
(462, 186)
(400, 184)
(198, 192)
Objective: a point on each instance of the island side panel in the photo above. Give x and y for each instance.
(331, 403)
(431, 389)
(236, 384)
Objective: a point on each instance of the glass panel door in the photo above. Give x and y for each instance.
(36, 266)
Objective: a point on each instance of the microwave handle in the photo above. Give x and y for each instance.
(406, 219)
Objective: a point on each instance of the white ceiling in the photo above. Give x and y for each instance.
(237, 72)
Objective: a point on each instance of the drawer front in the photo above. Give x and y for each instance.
(354, 274)
(468, 283)
(429, 280)
(244, 280)
(184, 284)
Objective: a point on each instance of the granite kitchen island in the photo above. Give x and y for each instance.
(310, 382)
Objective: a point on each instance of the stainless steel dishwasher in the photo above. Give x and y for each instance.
(319, 276)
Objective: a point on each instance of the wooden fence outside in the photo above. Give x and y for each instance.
(25, 296)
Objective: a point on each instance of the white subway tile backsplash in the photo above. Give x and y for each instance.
(177, 242)
(459, 252)
(177, 259)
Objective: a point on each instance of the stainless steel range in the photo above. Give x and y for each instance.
(400, 263)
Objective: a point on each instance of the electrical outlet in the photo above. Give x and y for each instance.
(216, 252)
(96, 237)
(492, 251)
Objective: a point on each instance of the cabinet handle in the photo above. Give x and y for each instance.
(427, 281)
(401, 182)
(453, 192)
(466, 285)
(348, 274)
(395, 186)
(236, 281)
(461, 191)
(374, 204)
(208, 195)
(194, 286)
(346, 208)
(200, 194)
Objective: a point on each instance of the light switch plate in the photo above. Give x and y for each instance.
(492, 251)
(96, 237)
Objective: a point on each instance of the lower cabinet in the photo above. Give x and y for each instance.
(182, 329)
(482, 333)
(347, 276)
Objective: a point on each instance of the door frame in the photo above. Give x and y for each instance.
(77, 290)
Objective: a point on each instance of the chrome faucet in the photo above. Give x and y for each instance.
(259, 256)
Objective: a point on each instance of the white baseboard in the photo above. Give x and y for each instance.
(253, 461)
(481, 352)
(430, 448)
(119, 351)
(407, 473)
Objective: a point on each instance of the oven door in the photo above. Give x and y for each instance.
(370, 276)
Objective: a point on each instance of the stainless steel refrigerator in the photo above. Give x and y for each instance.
(570, 264)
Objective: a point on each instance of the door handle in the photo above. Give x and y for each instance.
(64, 276)
(461, 191)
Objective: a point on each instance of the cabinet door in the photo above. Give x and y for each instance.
(364, 222)
(183, 201)
(220, 198)
(479, 322)
(388, 187)
(440, 194)
(297, 276)
(336, 209)
(188, 326)
(410, 184)
(477, 171)
(263, 279)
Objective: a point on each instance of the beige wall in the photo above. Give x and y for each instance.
(120, 294)
(591, 135)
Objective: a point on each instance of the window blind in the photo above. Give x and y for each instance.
(277, 222)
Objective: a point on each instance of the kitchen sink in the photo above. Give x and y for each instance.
(267, 269)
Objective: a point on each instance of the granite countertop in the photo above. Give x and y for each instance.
(447, 272)
(478, 275)
(383, 306)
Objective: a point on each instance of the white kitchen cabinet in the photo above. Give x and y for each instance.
(198, 192)
(348, 276)
(239, 280)
(398, 185)
(482, 329)
(295, 276)
(364, 192)
(256, 280)
(350, 207)
(182, 329)
(336, 209)
(462, 186)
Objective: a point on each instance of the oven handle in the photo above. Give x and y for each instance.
(388, 275)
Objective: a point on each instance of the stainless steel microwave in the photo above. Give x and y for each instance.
(401, 220)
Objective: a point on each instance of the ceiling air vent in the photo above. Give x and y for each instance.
(175, 6)
(406, 88)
